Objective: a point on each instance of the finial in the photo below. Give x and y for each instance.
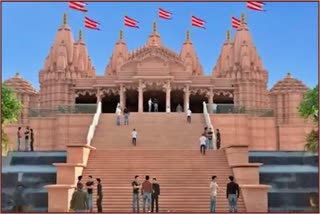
(228, 35)
(242, 18)
(288, 75)
(64, 18)
(154, 27)
(188, 35)
(121, 35)
(17, 74)
(80, 34)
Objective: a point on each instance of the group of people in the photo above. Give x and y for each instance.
(82, 201)
(232, 193)
(206, 140)
(125, 114)
(150, 193)
(153, 103)
(28, 139)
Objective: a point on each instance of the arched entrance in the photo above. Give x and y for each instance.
(86, 98)
(177, 98)
(225, 103)
(196, 102)
(132, 99)
(109, 102)
(158, 95)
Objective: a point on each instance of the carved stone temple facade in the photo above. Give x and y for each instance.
(154, 71)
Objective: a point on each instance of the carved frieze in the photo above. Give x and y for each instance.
(223, 93)
(85, 92)
(109, 91)
(200, 91)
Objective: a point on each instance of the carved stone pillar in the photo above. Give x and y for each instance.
(121, 92)
(186, 97)
(210, 107)
(98, 95)
(140, 97)
(168, 97)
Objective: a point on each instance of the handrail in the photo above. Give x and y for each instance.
(209, 124)
(94, 124)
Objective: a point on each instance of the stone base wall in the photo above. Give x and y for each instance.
(260, 133)
(53, 133)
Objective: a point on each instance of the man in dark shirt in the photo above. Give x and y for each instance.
(218, 139)
(31, 140)
(26, 139)
(19, 136)
(126, 116)
(99, 195)
(90, 185)
(155, 195)
(135, 199)
(233, 193)
(146, 191)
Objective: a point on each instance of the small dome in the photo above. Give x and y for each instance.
(289, 84)
(20, 85)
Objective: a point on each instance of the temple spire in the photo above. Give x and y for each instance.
(288, 75)
(64, 18)
(80, 34)
(121, 35)
(243, 20)
(228, 35)
(154, 27)
(188, 35)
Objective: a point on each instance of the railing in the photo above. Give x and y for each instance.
(236, 109)
(64, 109)
(209, 124)
(94, 124)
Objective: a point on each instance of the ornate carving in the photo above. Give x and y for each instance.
(200, 91)
(223, 93)
(109, 91)
(85, 92)
(178, 87)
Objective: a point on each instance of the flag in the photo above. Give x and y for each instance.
(197, 22)
(235, 22)
(78, 5)
(91, 24)
(130, 22)
(255, 5)
(164, 14)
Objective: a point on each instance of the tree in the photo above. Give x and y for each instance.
(308, 108)
(10, 110)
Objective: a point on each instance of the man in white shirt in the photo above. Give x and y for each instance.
(213, 194)
(118, 113)
(134, 135)
(150, 104)
(189, 116)
(203, 142)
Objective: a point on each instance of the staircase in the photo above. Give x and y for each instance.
(168, 149)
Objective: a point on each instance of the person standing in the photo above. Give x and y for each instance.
(31, 139)
(126, 116)
(210, 135)
(90, 185)
(233, 193)
(118, 113)
(155, 195)
(214, 188)
(19, 136)
(203, 141)
(26, 139)
(155, 105)
(79, 201)
(135, 196)
(134, 135)
(149, 105)
(146, 191)
(205, 132)
(218, 139)
(189, 116)
(99, 195)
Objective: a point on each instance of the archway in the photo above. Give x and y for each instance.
(158, 95)
(86, 99)
(177, 97)
(196, 102)
(225, 103)
(132, 100)
(110, 102)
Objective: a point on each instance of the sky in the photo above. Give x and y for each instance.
(286, 35)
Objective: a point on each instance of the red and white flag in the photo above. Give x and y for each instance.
(255, 5)
(91, 24)
(235, 22)
(130, 22)
(78, 5)
(164, 14)
(197, 22)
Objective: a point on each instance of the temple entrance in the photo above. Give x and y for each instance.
(109, 103)
(132, 100)
(86, 99)
(177, 97)
(158, 95)
(196, 102)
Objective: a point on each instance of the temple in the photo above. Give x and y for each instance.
(234, 99)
